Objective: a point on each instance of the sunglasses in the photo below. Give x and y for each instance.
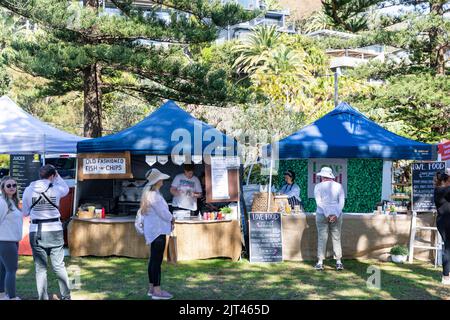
(11, 186)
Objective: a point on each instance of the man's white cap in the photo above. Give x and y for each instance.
(154, 175)
(326, 172)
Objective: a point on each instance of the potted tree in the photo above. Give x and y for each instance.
(399, 254)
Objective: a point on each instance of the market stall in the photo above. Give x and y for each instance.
(111, 177)
(214, 238)
(30, 143)
(360, 152)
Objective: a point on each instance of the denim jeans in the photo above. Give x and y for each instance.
(50, 245)
(9, 258)
(323, 228)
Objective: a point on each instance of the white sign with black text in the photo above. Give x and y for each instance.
(219, 178)
(104, 166)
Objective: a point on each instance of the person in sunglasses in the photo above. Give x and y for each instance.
(10, 235)
(41, 202)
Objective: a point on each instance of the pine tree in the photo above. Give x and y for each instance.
(82, 48)
(414, 94)
(433, 36)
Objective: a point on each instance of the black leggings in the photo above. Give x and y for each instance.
(443, 225)
(156, 257)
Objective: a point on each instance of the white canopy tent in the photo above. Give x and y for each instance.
(21, 133)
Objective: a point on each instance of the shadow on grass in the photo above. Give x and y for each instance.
(218, 279)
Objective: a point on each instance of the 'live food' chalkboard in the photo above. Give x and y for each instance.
(265, 237)
(423, 186)
(24, 168)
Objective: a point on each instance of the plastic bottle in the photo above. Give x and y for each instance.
(288, 208)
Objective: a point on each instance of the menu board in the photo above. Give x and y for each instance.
(219, 179)
(423, 186)
(24, 168)
(265, 237)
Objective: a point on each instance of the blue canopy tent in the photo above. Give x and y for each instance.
(169, 130)
(346, 133)
(164, 134)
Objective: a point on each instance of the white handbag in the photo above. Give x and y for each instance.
(139, 223)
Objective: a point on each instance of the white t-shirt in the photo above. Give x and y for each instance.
(187, 187)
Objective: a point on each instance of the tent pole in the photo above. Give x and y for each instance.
(336, 86)
(43, 155)
(270, 182)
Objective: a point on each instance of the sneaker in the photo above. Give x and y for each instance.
(164, 295)
(15, 298)
(150, 292)
(339, 266)
(445, 281)
(4, 296)
(319, 266)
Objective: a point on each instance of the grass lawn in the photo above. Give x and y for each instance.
(125, 278)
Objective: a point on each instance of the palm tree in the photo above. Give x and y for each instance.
(255, 51)
(318, 20)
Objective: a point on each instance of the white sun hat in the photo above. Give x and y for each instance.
(326, 172)
(154, 175)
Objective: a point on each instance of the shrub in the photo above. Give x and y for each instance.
(399, 250)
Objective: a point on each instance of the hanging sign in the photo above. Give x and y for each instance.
(104, 166)
(232, 162)
(219, 178)
(163, 159)
(178, 159)
(197, 159)
(339, 167)
(444, 150)
(151, 160)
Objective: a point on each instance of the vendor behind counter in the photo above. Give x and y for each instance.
(122, 197)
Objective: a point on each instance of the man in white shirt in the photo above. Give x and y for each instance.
(41, 202)
(330, 200)
(186, 189)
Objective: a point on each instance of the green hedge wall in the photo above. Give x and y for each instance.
(364, 182)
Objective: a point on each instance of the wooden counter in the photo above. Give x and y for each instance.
(363, 235)
(116, 236)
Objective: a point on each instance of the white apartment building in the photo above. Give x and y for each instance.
(350, 58)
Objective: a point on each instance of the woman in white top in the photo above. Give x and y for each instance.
(10, 235)
(158, 222)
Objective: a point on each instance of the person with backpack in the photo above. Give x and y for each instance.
(41, 202)
(10, 234)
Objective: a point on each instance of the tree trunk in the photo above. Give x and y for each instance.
(92, 102)
(437, 50)
(92, 93)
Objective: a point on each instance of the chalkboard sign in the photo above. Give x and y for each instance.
(422, 185)
(24, 168)
(265, 237)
